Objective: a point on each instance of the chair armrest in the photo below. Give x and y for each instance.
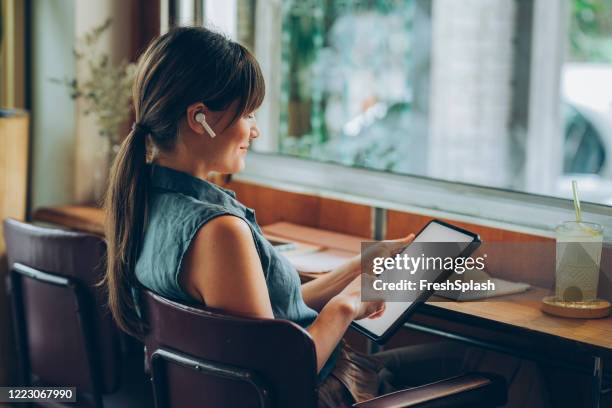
(467, 390)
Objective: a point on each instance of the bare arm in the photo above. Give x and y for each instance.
(319, 291)
(222, 268)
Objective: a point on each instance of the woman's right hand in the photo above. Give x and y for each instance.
(336, 316)
(351, 296)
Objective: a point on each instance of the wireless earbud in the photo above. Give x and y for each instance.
(201, 119)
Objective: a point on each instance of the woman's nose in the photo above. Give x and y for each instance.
(254, 132)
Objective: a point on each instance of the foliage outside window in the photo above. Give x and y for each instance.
(590, 32)
(346, 91)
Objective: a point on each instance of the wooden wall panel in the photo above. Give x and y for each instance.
(349, 218)
(401, 223)
(518, 264)
(272, 205)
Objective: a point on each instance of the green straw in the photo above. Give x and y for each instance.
(576, 201)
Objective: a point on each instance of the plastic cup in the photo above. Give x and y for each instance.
(578, 259)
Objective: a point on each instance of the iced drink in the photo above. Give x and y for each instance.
(578, 259)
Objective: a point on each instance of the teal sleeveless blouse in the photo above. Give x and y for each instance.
(179, 204)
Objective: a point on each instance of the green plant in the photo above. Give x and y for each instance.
(590, 31)
(105, 87)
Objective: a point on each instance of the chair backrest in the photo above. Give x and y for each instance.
(203, 357)
(65, 332)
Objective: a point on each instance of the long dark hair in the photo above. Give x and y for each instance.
(185, 66)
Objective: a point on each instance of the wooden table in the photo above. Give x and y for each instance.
(523, 310)
(512, 324)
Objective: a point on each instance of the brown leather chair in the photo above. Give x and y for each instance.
(202, 357)
(65, 334)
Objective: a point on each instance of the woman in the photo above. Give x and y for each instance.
(170, 230)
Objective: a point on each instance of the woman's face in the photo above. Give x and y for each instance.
(226, 152)
(232, 143)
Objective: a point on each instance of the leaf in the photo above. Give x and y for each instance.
(105, 88)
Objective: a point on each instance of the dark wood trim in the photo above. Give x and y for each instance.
(145, 25)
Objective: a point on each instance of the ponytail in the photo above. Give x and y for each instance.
(126, 207)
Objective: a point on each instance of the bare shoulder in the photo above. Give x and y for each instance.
(225, 227)
(222, 240)
(222, 267)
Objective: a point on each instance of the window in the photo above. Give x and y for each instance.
(441, 89)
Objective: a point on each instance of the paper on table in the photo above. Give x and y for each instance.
(300, 247)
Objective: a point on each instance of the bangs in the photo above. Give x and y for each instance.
(250, 80)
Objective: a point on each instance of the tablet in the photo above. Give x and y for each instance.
(383, 327)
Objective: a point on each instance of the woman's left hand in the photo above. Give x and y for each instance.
(386, 248)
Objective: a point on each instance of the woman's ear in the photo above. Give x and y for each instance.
(192, 112)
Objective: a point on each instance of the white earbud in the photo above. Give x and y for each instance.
(201, 118)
